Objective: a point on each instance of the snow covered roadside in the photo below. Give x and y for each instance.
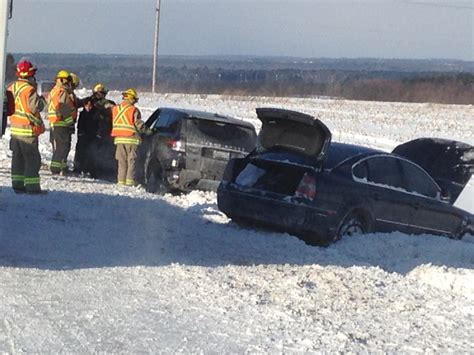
(93, 267)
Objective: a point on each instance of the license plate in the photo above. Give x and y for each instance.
(217, 154)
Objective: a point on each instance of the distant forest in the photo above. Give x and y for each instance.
(440, 81)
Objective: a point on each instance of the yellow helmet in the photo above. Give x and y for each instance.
(75, 80)
(99, 87)
(130, 93)
(63, 74)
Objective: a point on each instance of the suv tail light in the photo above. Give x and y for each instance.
(178, 146)
(307, 187)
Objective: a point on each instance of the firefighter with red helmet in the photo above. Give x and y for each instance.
(62, 114)
(25, 126)
(127, 127)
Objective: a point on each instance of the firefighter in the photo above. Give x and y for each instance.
(75, 81)
(62, 114)
(26, 125)
(104, 107)
(77, 102)
(126, 130)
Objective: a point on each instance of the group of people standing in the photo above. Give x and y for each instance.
(99, 122)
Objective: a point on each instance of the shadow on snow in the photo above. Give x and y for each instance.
(70, 230)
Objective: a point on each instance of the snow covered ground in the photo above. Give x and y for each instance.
(93, 267)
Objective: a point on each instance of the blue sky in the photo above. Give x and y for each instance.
(312, 28)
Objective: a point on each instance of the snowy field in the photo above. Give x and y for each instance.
(93, 267)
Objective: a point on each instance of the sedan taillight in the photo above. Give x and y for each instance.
(307, 187)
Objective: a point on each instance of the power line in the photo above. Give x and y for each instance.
(433, 4)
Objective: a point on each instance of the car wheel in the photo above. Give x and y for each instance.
(154, 181)
(352, 225)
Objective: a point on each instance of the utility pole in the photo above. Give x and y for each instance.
(155, 48)
(5, 14)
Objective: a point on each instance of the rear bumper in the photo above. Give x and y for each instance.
(186, 180)
(298, 218)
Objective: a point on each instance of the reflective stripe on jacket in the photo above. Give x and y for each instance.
(26, 120)
(124, 130)
(61, 108)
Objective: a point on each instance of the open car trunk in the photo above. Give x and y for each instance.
(449, 162)
(294, 132)
(267, 176)
(290, 150)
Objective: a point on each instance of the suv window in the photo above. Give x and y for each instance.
(168, 121)
(385, 171)
(214, 132)
(417, 180)
(151, 120)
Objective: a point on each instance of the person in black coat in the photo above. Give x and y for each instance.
(103, 145)
(87, 130)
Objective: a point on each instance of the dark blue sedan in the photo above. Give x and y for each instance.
(298, 181)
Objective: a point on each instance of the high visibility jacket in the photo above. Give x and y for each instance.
(61, 108)
(124, 129)
(26, 120)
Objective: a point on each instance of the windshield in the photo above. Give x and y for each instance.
(207, 132)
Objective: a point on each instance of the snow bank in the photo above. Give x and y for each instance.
(94, 267)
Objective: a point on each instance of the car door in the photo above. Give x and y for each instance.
(392, 207)
(167, 140)
(431, 215)
(158, 147)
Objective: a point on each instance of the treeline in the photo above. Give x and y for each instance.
(450, 82)
(376, 86)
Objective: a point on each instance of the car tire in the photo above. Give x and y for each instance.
(352, 225)
(154, 181)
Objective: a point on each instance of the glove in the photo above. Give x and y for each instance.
(38, 129)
